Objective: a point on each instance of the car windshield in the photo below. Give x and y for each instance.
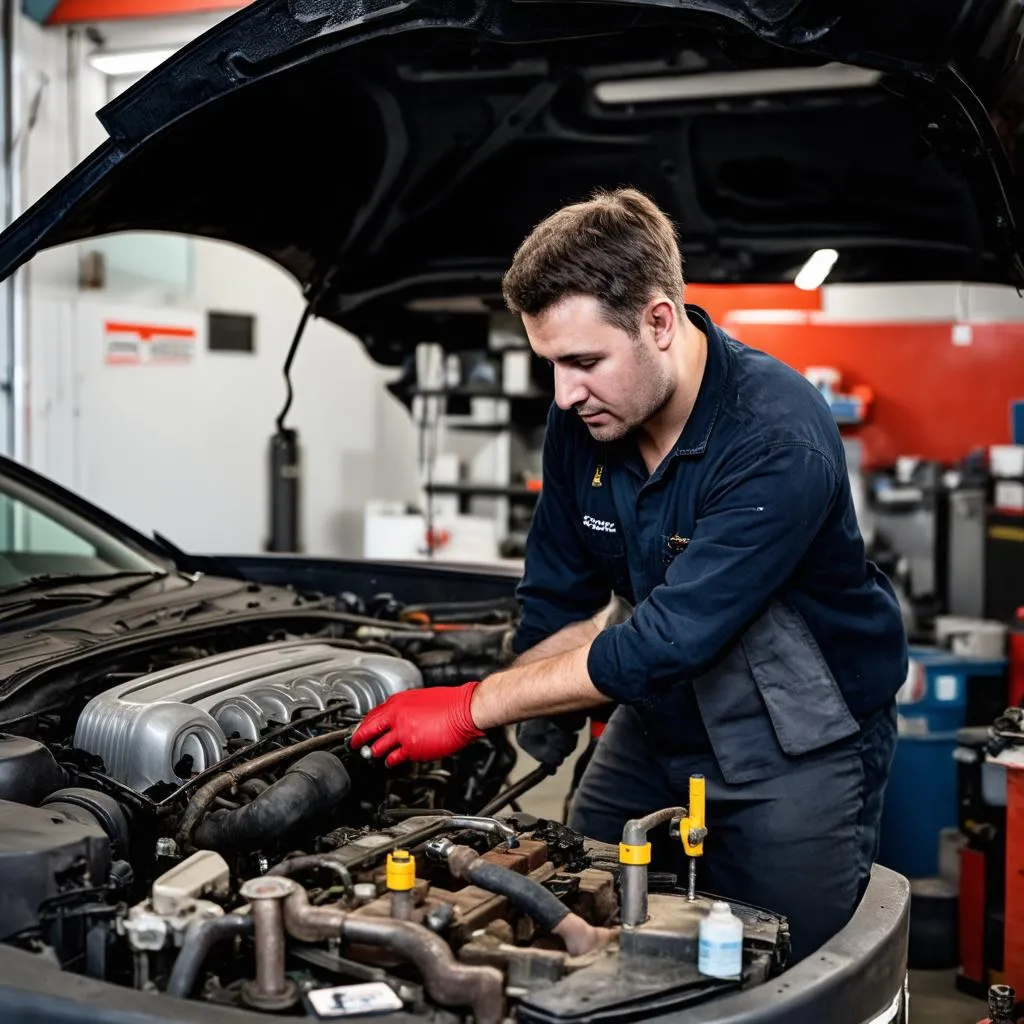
(39, 537)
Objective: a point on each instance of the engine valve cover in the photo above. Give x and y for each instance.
(144, 727)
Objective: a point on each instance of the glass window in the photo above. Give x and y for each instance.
(39, 536)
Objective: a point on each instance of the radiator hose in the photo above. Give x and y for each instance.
(200, 937)
(309, 787)
(580, 937)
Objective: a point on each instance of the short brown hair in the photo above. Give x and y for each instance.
(618, 246)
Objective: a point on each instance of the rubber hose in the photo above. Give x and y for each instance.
(200, 938)
(529, 896)
(310, 786)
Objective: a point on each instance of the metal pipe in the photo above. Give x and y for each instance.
(443, 820)
(271, 990)
(517, 789)
(633, 894)
(203, 797)
(200, 937)
(401, 882)
(445, 979)
(635, 830)
(486, 825)
(634, 856)
(401, 905)
(266, 918)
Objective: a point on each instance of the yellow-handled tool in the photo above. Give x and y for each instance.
(693, 831)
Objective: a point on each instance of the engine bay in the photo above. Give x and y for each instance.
(190, 820)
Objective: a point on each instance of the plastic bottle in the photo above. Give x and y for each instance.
(720, 949)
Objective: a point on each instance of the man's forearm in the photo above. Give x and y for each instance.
(546, 686)
(568, 638)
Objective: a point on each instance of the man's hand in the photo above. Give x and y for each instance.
(552, 739)
(420, 725)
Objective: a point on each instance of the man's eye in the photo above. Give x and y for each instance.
(586, 364)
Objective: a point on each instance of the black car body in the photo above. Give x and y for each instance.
(73, 627)
(767, 129)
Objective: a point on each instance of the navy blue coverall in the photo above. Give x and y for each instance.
(764, 650)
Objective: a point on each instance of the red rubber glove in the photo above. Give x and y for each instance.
(420, 725)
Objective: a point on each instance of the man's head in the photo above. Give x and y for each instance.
(599, 286)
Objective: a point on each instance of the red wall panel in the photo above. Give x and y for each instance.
(933, 398)
(69, 11)
(718, 300)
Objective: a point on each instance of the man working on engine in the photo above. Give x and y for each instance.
(706, 482)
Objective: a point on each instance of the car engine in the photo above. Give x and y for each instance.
(192, 821)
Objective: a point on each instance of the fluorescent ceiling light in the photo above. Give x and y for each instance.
(723, 84)
(130, 62)
(816, 269)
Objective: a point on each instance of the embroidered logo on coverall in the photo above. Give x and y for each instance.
(601, 525)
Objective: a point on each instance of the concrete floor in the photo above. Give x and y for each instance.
(934, 998)
(933, 994)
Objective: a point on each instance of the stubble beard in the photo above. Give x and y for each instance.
(658, 393)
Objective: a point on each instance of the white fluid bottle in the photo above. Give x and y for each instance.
(720, 947)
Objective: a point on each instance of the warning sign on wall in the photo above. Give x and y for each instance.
(135, 344)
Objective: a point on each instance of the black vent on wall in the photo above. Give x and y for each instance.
(230, 332)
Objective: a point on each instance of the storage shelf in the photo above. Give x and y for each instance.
(482, 490)
(479, 428)
(465, 392)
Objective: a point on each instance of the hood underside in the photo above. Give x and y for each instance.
(391, 156)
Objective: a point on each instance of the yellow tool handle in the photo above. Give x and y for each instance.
(694, 821)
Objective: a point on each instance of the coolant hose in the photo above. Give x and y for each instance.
(580, 937)
(310, 786)
(529, 896)
(200, 937)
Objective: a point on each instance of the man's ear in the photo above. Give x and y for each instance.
(661, 320)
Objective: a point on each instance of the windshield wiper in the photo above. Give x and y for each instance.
(22, 603)
(53, 581)
(46, 602)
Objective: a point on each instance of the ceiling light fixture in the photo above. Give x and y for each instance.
(712, 85)
(816, 269)
(129, 62)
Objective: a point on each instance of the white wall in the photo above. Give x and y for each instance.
(183, 449)
(944, 302)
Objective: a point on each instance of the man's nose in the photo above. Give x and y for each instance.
(569, 390)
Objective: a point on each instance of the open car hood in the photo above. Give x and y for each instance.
(391, 155)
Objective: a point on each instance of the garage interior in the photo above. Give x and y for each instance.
(159, 376)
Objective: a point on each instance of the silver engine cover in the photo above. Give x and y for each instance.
(144, 727)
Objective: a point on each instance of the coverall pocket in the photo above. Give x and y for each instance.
(803, 700)
(609, 554)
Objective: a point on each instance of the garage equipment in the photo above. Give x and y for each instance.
(635, 851)
(634, 856)
(693, 831)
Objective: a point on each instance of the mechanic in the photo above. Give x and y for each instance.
(706, 483)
